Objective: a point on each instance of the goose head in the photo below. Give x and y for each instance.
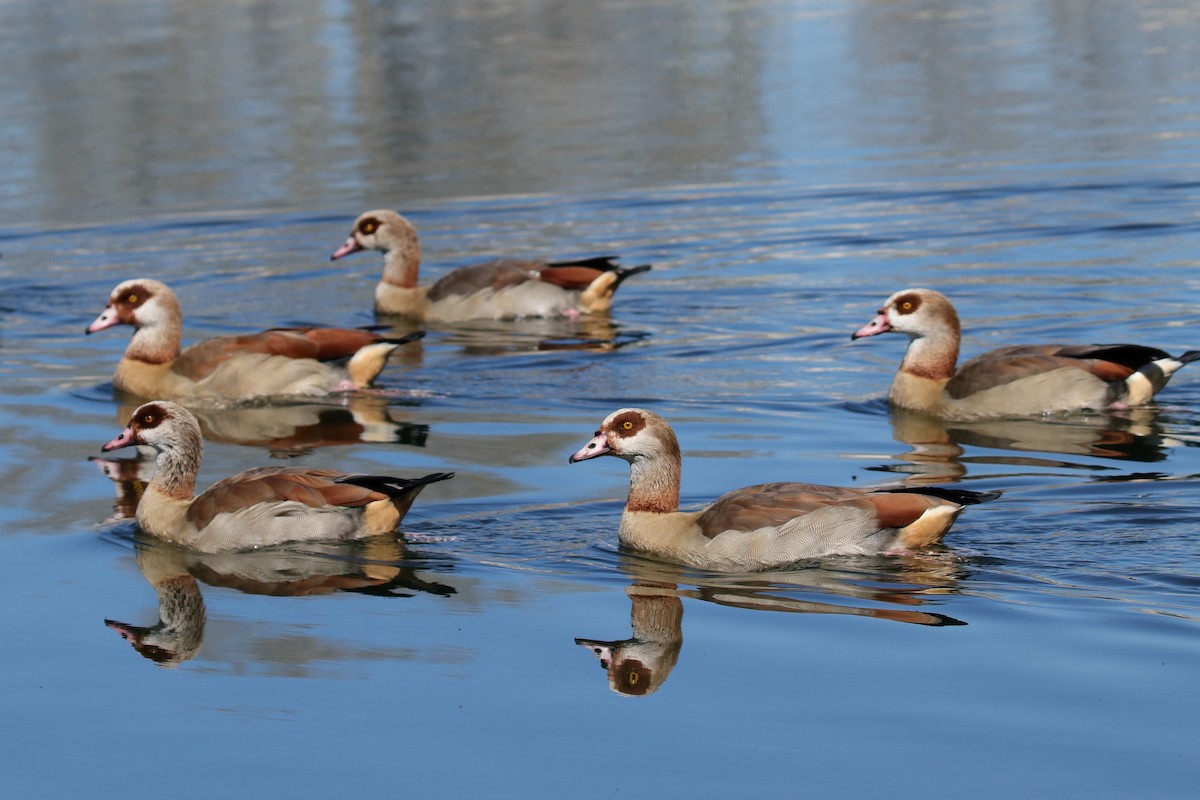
(916, 313)
(140, 302)
(378, 230)
(162, 425)
(632, 434)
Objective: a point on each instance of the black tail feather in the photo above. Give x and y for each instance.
(392, 486)
(405, 339)
(629, 272)
(604, 263)
(1130, 356)
(964, 497)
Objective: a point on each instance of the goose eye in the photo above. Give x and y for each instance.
(369, 227)
(148, 419)
(906, 305)
(627, 425)
(133, 298)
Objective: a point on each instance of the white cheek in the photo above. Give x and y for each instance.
(638, 441)
(151, 312)
(900, 321)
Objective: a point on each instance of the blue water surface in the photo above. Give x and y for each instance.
(785, 167)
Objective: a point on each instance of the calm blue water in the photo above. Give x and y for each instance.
(785, 167)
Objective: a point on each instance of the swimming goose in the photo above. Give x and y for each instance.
(762, 526)
(259, 507)
(277, 362)
(500, 289)
(1019, 381)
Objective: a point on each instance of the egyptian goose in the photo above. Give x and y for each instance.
(762, 526)
(278, 362)
(500, 289)
(259, 507)
(1019, 381)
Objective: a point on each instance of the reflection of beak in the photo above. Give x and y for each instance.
(130, 633)
(600, 649)
(351, 246)
(878, 325)
(107, 319)
(597, 447)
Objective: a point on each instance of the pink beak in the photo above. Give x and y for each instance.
(124, 439)
(351, 246)
(107, 319)
(878, 325)
(597, 447)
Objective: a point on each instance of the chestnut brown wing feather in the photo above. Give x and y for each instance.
(572, 278)
(900, 510)
(323, 344)
(334, 343)
(312, 487)
(577, 275)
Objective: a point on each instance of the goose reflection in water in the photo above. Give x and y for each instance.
(491, 337)
(939, 446)
(130, 477)
(368, 566)
(640, 664)
(291, 430)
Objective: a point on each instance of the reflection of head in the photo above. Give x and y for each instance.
(634, 668)
(638, 666)
(163, 647)
(179, 632)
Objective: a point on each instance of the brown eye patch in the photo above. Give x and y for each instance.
(134, 296)
(907, 303)
(368, 226)
(149, 416)
(628, 424)
(633, 677)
